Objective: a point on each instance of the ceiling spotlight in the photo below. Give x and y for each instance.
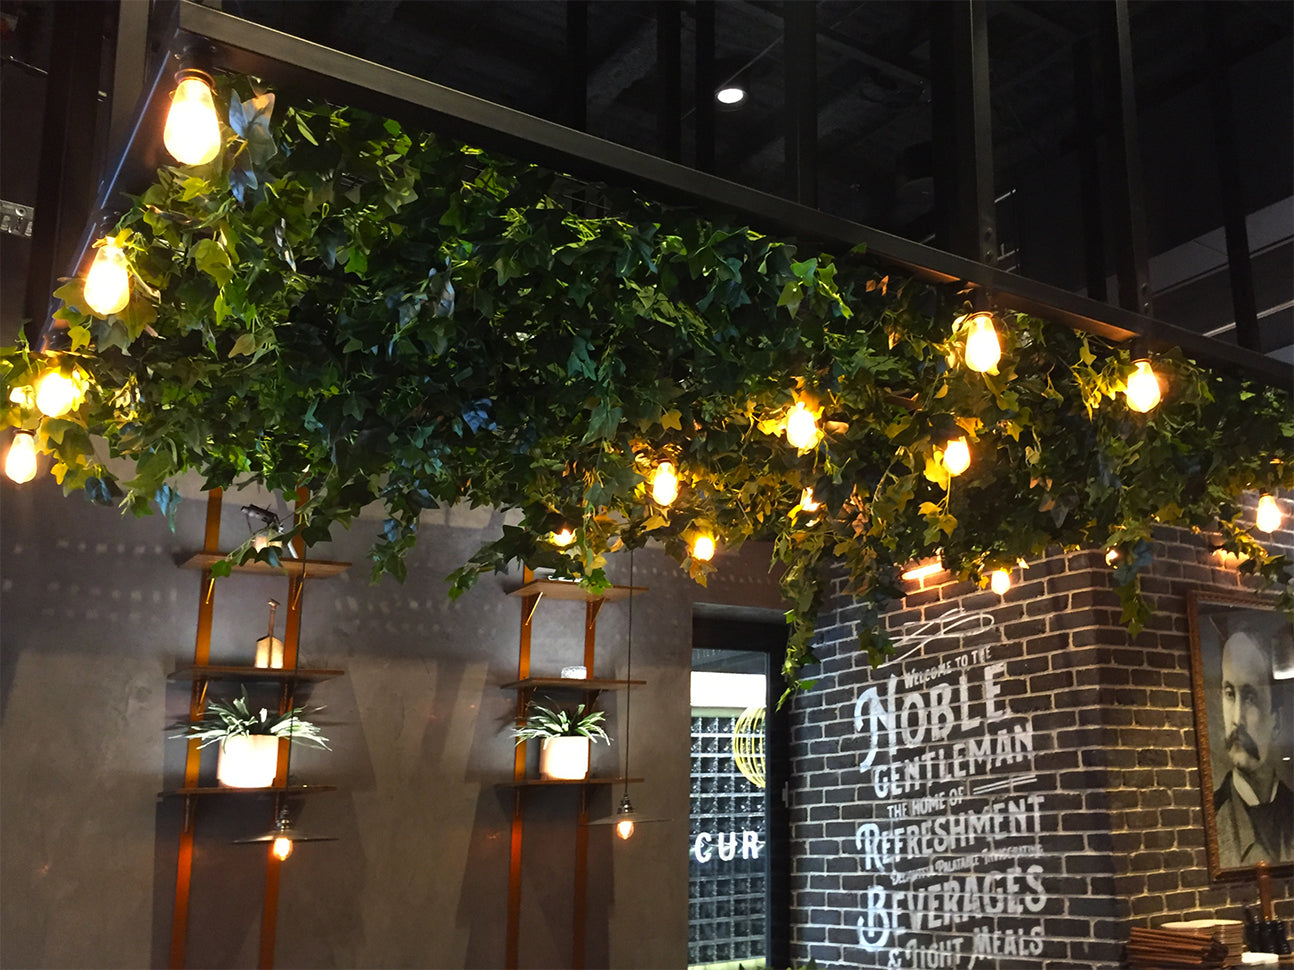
(730, 95)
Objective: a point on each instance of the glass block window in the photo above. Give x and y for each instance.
(726, 858)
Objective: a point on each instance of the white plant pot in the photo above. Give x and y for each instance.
(565, 758)
(248, 761)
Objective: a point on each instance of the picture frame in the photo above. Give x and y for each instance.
(1244, 730)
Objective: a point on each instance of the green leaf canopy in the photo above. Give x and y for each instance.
(376, 314)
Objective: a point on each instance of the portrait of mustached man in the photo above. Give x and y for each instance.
(1253, 806)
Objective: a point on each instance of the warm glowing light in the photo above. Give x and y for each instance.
(1269, 516)
(1111, 556)
(703, 548)
(20, 462)
(625, 828)
(23, 396)
(107, 285)
(730, 94)
(922, 571)
(625, 817)
(1000, 581)
(563, 538)
(56, 394)
(956, 456)
(192, 134)
(282, 848)
(1143, 391)
(982, 348)
(664, 484)
(807, 502)
(802, 428)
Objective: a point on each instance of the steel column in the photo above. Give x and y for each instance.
(669, 71)
(1217, 55)
(706, 79)
(1132, 263)
(1089, 170)
(800, 109)
(965, 210)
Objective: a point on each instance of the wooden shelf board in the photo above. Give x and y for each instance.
(549, 782)
(561, 589)
(572, 683)
(222, 790)
(311, 568)
(243, 672)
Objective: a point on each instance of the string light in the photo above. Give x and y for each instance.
(1111, 556)
(23, 396)
(802, 428)
(107, 285)
(563, 538)
(20, 462)
(922, 571)
(192, 133)
(1142, 390)
(664, 484)
(703, 548)
(983, 350)
(1269, 516)
(807, 501)
(1000, 581)
(55, 394)
(956, 456)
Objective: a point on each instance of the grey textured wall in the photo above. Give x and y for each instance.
(95, 614)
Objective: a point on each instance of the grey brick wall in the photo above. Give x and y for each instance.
(1018, 785)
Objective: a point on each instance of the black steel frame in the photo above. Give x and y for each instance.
(292, 63)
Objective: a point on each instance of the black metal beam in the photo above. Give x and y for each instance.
(964, 200)
(669, 71)
(800, 107)
(293, 63)
(1132, 263)
(1234, 210)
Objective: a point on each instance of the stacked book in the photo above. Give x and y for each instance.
(1191, 943)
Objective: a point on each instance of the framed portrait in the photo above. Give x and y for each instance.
(1242, 682)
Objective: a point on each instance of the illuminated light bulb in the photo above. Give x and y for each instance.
(1269, 516)
(664, 484)
(625, 818)
(20, 462)
(192, 134)
(1143, 391)
(23, 396)
(107, 285)
(982, 348)
(957, 456)
(730, 95)
(1000, 581)
(282, 848)
(55, 394)
(703, 548)
(922, 571)
(563, 538)
(802, 428)
(1111, 556)
(807, 501)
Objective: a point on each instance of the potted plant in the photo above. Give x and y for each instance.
(566, 737)
(249, 742)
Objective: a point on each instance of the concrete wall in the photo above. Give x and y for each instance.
(95, 614)
(1018, 785)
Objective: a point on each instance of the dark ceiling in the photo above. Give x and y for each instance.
(874, 80)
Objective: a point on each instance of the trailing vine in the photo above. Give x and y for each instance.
(377, 314)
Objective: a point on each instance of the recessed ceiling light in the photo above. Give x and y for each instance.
(730, 95)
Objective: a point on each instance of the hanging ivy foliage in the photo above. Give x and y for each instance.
(376, 314)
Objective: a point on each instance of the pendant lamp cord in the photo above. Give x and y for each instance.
(629, 666)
